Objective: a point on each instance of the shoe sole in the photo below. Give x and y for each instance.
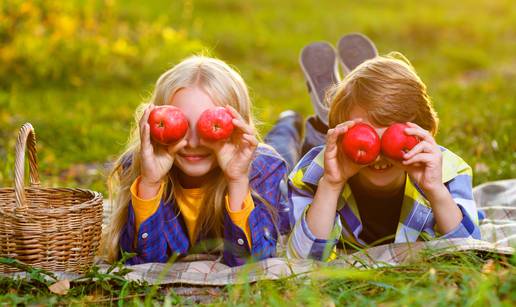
(318, 61)
(354, 49)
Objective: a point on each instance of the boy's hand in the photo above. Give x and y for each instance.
(423, 163)
(338, 168)
(235, 155)
(156, 159)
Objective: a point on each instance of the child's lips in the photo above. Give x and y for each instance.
(193, 157)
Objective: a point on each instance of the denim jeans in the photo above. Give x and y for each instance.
(286, 139)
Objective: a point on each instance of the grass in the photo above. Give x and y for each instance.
(82, 111)
(462, 279)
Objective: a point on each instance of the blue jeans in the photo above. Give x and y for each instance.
(286, 139)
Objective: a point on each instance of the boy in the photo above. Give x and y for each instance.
(427, 195)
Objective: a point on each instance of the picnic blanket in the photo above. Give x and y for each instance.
(496, 200)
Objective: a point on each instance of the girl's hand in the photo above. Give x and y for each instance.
(423, 163)
(156, 159)
(338, 168)
(235, 155)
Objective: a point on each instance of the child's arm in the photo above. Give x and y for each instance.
(319, 222)
(144, 219)
(424, 164)
(337, 170)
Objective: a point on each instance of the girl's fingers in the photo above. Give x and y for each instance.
(145, 139)
(251, 139)
(146, 113)
(243, 126)
(173, 149)
(234, 113)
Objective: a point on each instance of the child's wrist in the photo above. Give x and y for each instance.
(331, 184)
(435, 194)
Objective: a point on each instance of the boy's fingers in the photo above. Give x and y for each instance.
(349, 123)
(423, 158)
(421, 147)
(419, 132)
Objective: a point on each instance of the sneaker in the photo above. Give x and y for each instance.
(354, 49)
(318, 61)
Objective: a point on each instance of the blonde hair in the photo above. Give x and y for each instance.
(225, 87)
(389, 89)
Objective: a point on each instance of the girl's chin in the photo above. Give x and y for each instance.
(196, 169)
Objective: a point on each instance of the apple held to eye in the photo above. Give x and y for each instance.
(395, 142)
(215, 124)
(168, 124)
(361, 144)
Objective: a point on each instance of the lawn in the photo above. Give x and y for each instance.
(76, 70)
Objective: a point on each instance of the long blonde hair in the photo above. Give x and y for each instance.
(225, 87)
(389, 89)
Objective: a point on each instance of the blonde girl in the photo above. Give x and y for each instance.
(176, 199)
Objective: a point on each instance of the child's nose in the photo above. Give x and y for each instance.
(192, 137)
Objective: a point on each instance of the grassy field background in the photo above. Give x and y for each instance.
(76, 70)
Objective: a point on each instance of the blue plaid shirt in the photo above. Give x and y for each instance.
(416, 219)
(164, 233)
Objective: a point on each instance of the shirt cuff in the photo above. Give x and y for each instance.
(144, 208)
(466, 228)
(304, 244)
(241, 217)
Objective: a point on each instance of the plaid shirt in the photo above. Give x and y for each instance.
(416, 219)
(164, 233)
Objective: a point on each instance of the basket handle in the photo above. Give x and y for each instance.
(26, 139)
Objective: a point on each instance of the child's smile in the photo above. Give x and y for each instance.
(380, 166)
(193, 157)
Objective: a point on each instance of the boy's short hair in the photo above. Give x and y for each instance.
(389, 89)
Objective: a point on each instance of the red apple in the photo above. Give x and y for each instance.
(168, 124)
(395, 142)
(361, 143)
(215, 124)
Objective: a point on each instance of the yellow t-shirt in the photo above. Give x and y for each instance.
(190, 206)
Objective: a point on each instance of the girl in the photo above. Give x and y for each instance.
(427, 195)
(171, 199)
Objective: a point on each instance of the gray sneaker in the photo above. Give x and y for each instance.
(318, 61)
(354, 49)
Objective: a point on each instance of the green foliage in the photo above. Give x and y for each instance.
(77, 42)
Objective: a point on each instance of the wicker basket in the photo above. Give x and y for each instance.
(56, 229)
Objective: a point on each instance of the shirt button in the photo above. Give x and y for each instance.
(240, 241)
(145, 235)
(267, 233)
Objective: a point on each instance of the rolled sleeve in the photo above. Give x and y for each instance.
(240, 218)
(303, 243)
(144, 208)
(237, 250)
(466, 229)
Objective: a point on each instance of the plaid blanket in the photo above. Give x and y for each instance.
(497, 201)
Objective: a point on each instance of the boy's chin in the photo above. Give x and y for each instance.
(386, 181)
